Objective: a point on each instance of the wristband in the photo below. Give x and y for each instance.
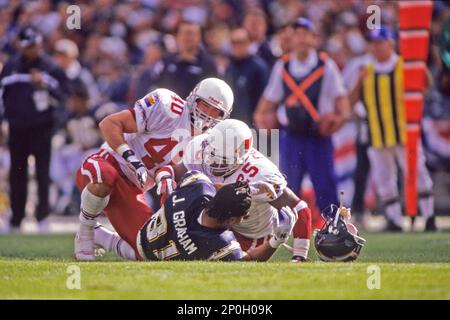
(300, 206)
(122, 149)
(274, 243)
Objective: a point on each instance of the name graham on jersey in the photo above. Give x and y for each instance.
(179, 222)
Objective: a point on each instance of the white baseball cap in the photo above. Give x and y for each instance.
(67, 47)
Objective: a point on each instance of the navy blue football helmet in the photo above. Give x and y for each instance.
(336, 241)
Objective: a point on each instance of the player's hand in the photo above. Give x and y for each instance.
(265, 120)
(135, 164)
(283, 224)
(37, 77)
(330, 123)
(165, 183)
(262, 190)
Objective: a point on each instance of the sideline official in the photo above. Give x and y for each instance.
(313, 104)
(32, 86)
(380, 89)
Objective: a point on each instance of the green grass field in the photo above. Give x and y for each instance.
(412, 266)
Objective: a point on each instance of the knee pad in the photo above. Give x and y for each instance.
(92, 204)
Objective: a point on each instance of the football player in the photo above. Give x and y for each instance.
(226, 155)
(139, 141)
(193, 224)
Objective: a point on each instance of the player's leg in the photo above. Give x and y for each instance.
(384, 171)
(320, 163)
(291, 160)
(292, 150)
(127, 210)
(112, 242)
(95, 179)
(42, 150)
(302, 233)
(18, 174)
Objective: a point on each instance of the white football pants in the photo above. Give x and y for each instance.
(384, 168)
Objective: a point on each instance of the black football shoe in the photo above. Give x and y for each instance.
(392, 227)
(430, 225)
(299, 259)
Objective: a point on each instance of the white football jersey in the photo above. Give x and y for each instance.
(256, 168)
(163, 130)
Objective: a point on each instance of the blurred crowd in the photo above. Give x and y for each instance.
(124, 49)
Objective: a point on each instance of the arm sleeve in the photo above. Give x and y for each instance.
(350, 75)
(262, 76)
(334, 83)
(60, 90)
(276, 180)
(274, 89)
(152, 112)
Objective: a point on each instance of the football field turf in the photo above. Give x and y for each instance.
(411, 266)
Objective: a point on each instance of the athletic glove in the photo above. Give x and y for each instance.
(134, 163)
(283, 223)
(165, 182)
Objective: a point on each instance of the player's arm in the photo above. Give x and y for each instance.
(287, 198)
(115, 125)
(113, 128)
(265, 114)
(233, 252)
(343, 108)
(167, 176)
(355, 93)
(261, 253)
(302, 228)
(283, 225)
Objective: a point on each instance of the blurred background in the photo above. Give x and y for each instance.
(124, 49)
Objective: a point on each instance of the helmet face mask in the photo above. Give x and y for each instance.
(336, 242)
(226, 147)
(217, 165)
(201, 120)
(217, 94)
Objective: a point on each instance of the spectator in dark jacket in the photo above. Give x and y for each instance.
(247, 74)
(255, 22)
(32, 86)
(151, 69)
(191, 64)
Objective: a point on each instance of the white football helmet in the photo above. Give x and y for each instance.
(216, 93)
(226, 147)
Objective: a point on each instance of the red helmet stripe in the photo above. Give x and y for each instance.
(247, 143)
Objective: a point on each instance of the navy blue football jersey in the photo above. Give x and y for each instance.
(174, 232)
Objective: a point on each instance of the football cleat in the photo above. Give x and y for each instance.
(430, 225)
(392, 227)
(299, 259)
(84, 246)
